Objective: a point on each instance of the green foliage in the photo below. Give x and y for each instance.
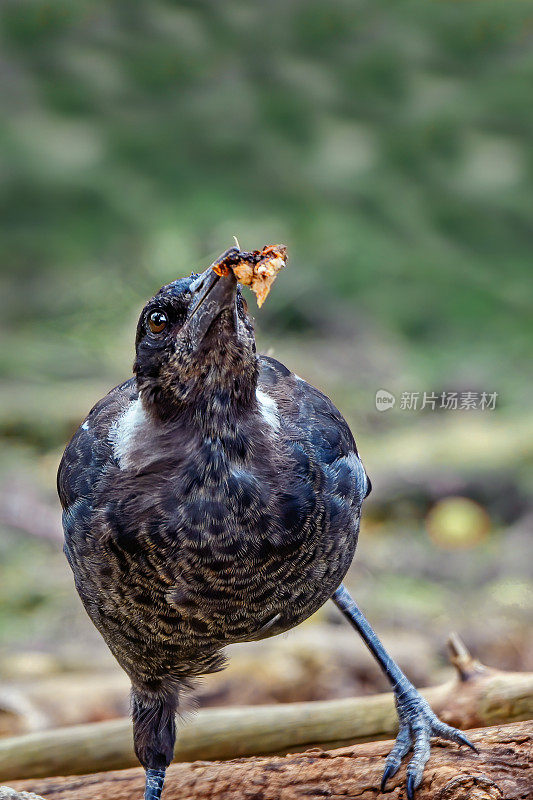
(388, 144)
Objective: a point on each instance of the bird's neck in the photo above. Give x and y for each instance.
(214, 400)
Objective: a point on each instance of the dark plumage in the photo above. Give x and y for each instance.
(213, 498)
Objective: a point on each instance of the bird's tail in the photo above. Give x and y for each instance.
(155, 779)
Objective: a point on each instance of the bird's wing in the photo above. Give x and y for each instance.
(312, 422)
(90, 449)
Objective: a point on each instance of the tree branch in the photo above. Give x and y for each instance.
(503, 769)
(477, 696)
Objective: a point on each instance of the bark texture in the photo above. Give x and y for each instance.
(503, 770)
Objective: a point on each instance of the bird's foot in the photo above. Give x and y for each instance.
(417, 724)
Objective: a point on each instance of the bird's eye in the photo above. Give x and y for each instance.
(157, 321)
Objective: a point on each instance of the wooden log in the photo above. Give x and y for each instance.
(296, 668)
(60, 700)
(478, 696)
(503, 769)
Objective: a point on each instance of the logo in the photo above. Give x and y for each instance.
(384, 400)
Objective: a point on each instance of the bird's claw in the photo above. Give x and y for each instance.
(417, 724)
(388, 772)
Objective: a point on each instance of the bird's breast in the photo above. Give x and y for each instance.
(221, 544)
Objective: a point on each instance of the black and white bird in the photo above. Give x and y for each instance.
(215, 498)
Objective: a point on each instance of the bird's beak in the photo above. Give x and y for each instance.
(211, 295)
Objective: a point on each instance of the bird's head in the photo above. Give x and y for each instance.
(195, 348)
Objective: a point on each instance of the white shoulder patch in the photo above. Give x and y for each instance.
(85, 426)
(268, 409)
(125, 430)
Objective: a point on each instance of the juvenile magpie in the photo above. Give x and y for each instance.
(214, 498)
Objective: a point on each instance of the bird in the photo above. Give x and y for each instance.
(214, 498)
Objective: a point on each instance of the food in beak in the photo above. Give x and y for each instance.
(257, 269)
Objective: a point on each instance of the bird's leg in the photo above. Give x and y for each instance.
(417, 720)
(155, 778)
(154, 736)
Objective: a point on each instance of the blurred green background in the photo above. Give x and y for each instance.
(389, 146)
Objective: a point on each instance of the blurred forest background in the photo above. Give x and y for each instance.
(389, 146)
